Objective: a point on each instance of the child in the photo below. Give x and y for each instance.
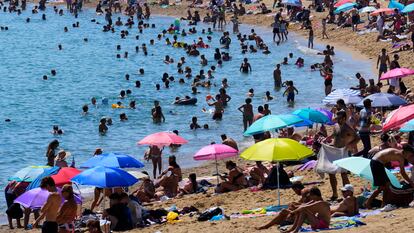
(290, 91)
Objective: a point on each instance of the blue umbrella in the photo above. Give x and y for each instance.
(396, 5)
(408, 127)
(383, 100)
(47, 172)
(28, 174)
(105, 177)
(117, 160)
(408, 8)
(305, 122)
(271, 122)
(292, 2)
(345, 7)
(312, 115)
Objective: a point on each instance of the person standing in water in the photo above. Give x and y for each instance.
(327, 74)
(290, 91)
(157, 115)
(51, 152)
(277, 76)
(247, 110)
(310, 38)
(245, 67)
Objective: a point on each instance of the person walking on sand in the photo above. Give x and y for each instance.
(310, 38)
(383, 62)
(324, 34)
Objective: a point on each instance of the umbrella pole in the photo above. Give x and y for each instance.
(217, 175)
(278, 185)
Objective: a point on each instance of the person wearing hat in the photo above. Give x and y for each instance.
(348, 206)
(60, 160)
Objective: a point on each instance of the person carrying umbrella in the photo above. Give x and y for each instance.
(50, 209)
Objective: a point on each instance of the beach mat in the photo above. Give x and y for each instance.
(338, 224)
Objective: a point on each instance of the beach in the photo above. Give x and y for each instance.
(359, 47)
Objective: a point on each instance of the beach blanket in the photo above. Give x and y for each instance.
(307, 166)
(326, 156)
(338, 224)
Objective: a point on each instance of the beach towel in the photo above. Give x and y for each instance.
(326, 156)
(259, 212)
(338, 224)
(307, 166)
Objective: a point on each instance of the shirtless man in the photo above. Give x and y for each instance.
(50, 209)
(245, 67)
(316, 213)
(383, 62)
(348, 206)
(157, 115)
(285, 217)
(344, 136)
(67, 213)
(229, 142)
(257, 174)
(377, 165)
(277, 77)
(247, 110)
(218, 108)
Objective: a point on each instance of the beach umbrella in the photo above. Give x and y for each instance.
(112, 159)
(348, 95)
(345, 7)
(64, 175)
(360, 167)
(312, 115)
(383, 100)
(408, 127)
(398, 117)
(396, 5)
(409, 8)
(47, 172)
(304, 123)
(342, 2)
(297, 3)
(215, 152)
(397, 73)
(367, 9)
(386, 11)
(327, 113)
(277, 150)
(28, 174)
(37, 197)
(162, 139)
(271, 122)
(105, 177)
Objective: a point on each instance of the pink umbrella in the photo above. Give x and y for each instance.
(387, 11)
(397, 73)
(162, 139)
(342, 2)
(215, 152)
(398, 117)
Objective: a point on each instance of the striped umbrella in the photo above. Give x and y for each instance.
(348, 95)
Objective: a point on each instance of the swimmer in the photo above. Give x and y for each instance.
(203, 60)
(53, 72)
(122, 94)
(250, 93)
(60, 47)
(245, 67)
(157, 87)
(85, 109)
(141, 71)
(44, 77)
(268, 97)
(93, 101)
(102, 126)
(194, 125)
(224, 83)
(290, 91)
(123, 117)
(137, 84)
(285, 61)
(127, 77)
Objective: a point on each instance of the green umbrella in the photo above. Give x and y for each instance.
(360, 167)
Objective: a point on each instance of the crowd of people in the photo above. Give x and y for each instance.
(352, 124)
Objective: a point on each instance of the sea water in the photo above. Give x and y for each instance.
(90, 69)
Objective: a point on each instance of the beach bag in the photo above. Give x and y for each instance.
(271, 180)
(209, 214)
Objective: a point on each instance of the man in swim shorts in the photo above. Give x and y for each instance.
(379, 162)
(383, 62)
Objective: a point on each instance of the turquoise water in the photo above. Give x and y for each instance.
(91, 69)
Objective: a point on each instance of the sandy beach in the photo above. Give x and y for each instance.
(361, 46)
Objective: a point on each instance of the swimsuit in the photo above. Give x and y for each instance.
(291, 96)
(50, 227)
(378, 173)
(321, 225)
(383, 68)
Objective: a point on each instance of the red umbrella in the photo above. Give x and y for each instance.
(398, 117)
(162, 139)
(64, 175)
(386, 11)
(342, 2)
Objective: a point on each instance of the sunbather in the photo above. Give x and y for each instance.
(234, 181)
(348, 206)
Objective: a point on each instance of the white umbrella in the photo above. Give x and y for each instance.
(367, 9)
(348, 95)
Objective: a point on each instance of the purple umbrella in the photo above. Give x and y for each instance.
(328, 114)
(36, 198)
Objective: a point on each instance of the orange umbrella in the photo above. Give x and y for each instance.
(386, 11)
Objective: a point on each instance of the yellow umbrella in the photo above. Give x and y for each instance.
(277, 150)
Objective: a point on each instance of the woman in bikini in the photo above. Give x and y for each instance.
(234, 181)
